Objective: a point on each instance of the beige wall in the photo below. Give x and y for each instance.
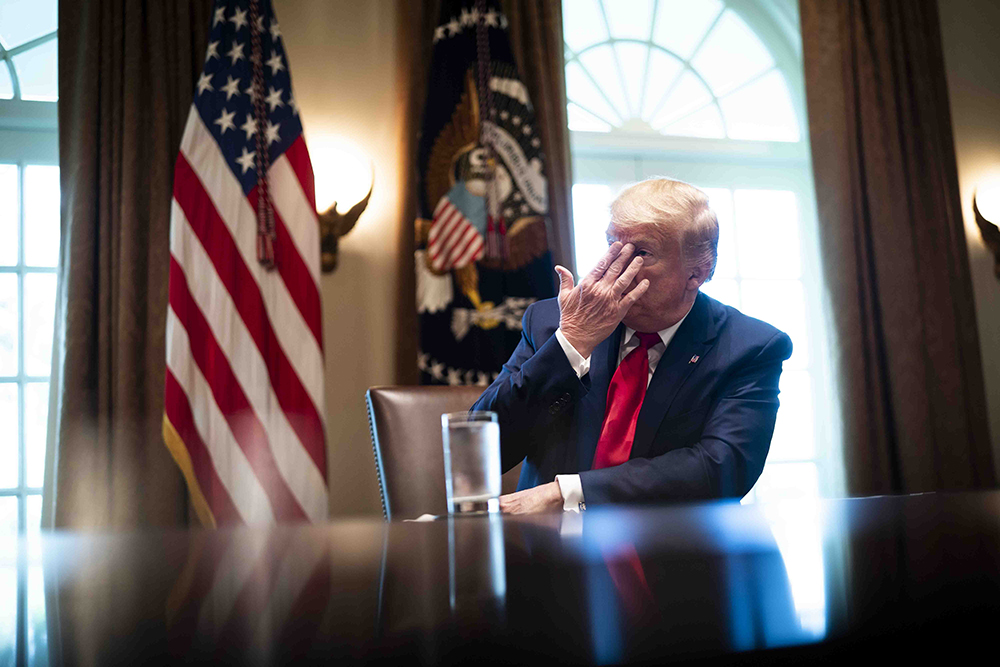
(969, 30)
(343, 65)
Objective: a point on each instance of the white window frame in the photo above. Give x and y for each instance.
(620, 157)
(28, 136)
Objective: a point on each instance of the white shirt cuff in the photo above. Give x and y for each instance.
(576, 360)
(572, 492)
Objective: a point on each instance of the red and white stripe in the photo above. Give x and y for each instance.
(250, 591)
(244, 345)
(452, 242)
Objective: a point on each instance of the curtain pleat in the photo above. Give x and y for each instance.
(536, 39)
(414, 29)
(893, 248)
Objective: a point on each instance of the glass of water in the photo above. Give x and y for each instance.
(471, 461)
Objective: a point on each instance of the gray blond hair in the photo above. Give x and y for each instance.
(672, 205)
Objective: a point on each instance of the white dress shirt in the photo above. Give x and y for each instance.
(569, 485)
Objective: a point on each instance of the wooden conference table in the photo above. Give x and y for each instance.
(900, 578)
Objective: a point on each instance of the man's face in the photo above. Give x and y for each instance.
(664, 302)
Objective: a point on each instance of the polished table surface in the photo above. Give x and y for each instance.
(907, 577)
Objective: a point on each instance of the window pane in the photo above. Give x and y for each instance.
(41, 215)
(688, 95)
(794, 437)
(8, 532)
(580, 89)
(23, 20)
(762, 111)
(38, 73)
(680, 24)
(8, 580)
(581, 121)
(8, 212)
(583, 25)
(39, 317)
(38, 640)
(6, 85)
(38, 635)
(8, 324)
(8, 435)
(787, 481)
(600, 62)
(591, 212)
(33, 510)
(780, 303)
(721, 201)
(630, 19)
(732, 54)
(767, 234)
(36, 423)
(632, 58)
(704, 123)
(723, 289)
(663, 71)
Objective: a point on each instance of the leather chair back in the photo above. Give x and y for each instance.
(405, 427)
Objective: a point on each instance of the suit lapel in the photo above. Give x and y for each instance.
(590, 418)
(694, 337)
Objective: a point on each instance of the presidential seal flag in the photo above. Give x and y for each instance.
(482, 251)
(244, 399)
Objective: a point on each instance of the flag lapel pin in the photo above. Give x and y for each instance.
(694, 359)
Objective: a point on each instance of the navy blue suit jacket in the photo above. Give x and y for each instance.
(704, 427)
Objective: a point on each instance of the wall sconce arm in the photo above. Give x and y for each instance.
(991, 235)
(333, 225)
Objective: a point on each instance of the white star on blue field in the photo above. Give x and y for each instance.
(224, 94)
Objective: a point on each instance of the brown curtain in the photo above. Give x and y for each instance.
(891, 233)
(126, 74)
(536, 38)
(415, 30)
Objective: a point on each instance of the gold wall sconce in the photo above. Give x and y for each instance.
(986, 207)
(345, 178)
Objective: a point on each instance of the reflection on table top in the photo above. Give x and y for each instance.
(711, 582)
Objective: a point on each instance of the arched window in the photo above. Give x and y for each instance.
(29, 252)
(28, 48)
(712, 93)
(674, 67)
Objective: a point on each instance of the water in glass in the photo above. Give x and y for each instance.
(472, 462)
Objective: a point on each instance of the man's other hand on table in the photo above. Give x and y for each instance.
(544, 498)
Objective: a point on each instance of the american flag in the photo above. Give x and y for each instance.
(452, 242)
(244, 382)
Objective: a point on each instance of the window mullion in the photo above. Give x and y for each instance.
(649, 56)
(15, 85)
(621, 80)
(704, 37)
(21, 387)
(668, 91)
(22, 502)
(611, 105)
(591, 111)
(27, 46)
(754, 79)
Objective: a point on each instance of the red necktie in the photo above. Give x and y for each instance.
(625, 394)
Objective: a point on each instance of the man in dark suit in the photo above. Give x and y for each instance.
(633, 386)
